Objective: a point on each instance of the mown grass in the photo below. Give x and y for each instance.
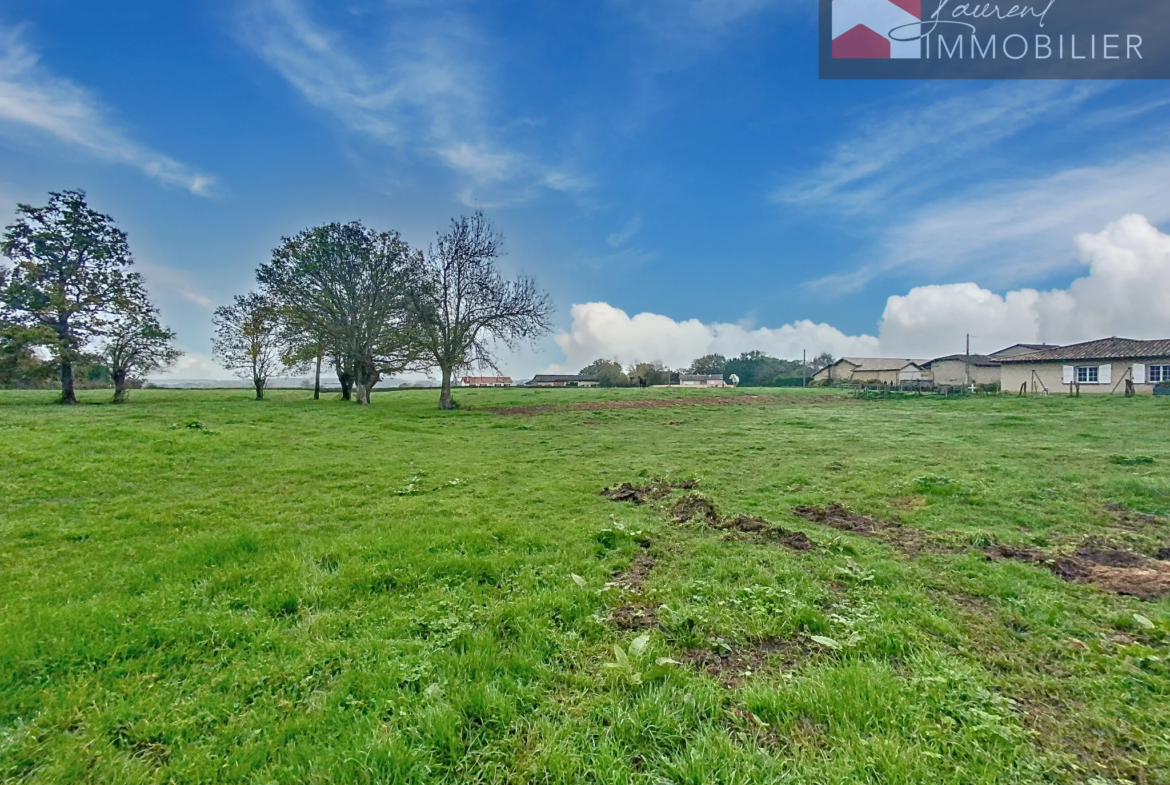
(302, 591)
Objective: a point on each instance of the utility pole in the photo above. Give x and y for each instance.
(804, 367)
(967, 362)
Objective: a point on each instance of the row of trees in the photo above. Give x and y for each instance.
(753, 369)
(365, 303)
(70, 301)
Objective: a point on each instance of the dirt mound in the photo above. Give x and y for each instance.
(655, 490)
(750, 524)
(1104, 566)
(838, 517)
(693, 506)
(731, 666)
(665, 403)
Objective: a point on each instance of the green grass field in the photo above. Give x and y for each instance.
(307, 591)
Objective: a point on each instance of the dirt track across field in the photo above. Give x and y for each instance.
(665, 403)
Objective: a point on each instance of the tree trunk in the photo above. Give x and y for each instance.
(259, 385)
(317, 380)
(445, 394)
(119, 387)
(67, 394)
(346, 382)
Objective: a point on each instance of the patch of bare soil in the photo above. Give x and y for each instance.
(912, 541)
(732, 667)
(634, 616)
(633, 578)
(1100, 564)
(665, 403)
(1131, 519)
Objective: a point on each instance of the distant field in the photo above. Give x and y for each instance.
(310, 592)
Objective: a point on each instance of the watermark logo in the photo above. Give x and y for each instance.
(863, 29)
(949, 39)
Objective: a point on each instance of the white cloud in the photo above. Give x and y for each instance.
(31, 98)
(1124, 293)
(426, 88)
(601, 331)
(194, 365)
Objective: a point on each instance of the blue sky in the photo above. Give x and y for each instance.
(677, 159)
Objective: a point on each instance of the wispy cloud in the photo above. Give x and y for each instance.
(426, 88)
(164, 281)
(620, 238)
(916, 144)
(1020, 230)
(33, 99)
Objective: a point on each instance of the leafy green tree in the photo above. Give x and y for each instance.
(709, 364)
(648, 374)
(19, 364)
(608, 372)
(70, 275)
(464, 306)
(822, 360)
(137, 344)
(247, 339)
(344, 286)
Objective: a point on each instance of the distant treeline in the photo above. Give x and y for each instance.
(753, 369)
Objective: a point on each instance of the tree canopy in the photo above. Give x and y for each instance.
(463, 306)
(70, 276)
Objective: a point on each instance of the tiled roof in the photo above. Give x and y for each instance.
(978, 360)
(882, 363)
(1104, 349)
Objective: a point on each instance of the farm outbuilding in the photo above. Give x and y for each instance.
(563, 380)
(957, 370)
(701, 380)
(487, 381)
(873, 370)
(1101, 367)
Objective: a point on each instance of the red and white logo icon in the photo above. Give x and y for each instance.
(862, 29)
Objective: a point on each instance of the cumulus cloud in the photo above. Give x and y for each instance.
(31, 98)
(1124, 293)
(601, 330)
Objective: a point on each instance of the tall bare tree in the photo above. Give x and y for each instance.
(464, 306)
(248, 340)
(137, 344)
(70, 275)
(347, 285)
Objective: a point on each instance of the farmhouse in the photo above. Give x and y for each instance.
(1101, 367)
(873, 370)
(563, 380)
(701, 380)
(957, 370)
(487, 381)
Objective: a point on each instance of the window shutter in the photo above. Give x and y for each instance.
(1068, 374)
(1139, 373)
(1105, 374)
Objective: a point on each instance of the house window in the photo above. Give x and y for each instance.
(1086, 374)
(1159, 373)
